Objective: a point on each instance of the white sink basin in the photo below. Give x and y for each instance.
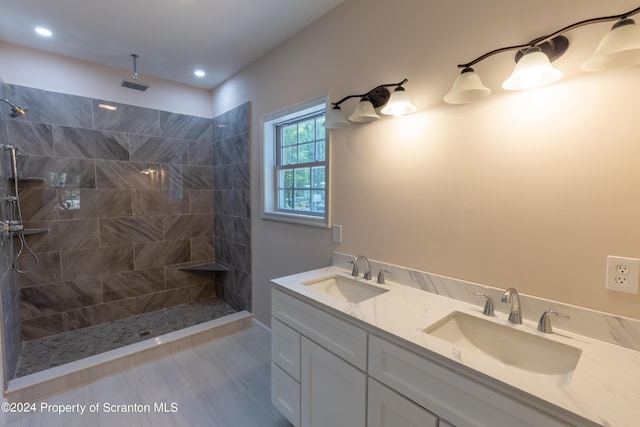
(345, 289)
(508, 346)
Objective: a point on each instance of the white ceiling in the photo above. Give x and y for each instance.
(171, 37)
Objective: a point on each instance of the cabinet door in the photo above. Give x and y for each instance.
(332, 392)
(386, 408)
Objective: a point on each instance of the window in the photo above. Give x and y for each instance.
(295, 160)
(300, 165)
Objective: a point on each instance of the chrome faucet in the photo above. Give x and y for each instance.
(367, 267)
(515, 314)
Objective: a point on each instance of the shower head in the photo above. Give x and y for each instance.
(135, 83)
(15, 110)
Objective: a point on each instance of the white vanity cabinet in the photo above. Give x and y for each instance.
(327, 371)
(322, 357)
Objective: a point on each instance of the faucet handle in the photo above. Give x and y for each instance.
(544, 325)
(381, 276)
(488, 305)
(354, 271)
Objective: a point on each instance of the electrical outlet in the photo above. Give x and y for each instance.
(623, 274)
(622, 269)
(621, 280)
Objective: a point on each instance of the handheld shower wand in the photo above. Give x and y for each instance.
(14, 224)
(14, 161)
(15, 110)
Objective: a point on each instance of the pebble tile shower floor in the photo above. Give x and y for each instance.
(40, 354)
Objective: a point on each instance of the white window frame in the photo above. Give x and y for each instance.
(268, 125)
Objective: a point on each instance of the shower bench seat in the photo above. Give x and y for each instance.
(209, 266)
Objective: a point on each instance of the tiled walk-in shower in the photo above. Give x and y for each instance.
(117, 204)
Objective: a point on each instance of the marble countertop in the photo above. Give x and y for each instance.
(604, 387)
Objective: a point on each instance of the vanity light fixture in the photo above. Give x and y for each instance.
(396, 104)
(619, 48)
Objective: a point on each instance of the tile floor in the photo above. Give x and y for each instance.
(40, 354)
(225, 383)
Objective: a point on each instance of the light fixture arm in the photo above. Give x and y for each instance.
(8, 102)
(378, 95)
(15, 110)
(336, 104)
(550, 37)
(590, 21)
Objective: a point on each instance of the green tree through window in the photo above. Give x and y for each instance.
(301, 165)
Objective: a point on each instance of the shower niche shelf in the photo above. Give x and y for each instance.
(28, 179)
(31, 231)
(209, 266)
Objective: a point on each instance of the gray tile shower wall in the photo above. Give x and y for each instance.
(9, 294)
(231, 157)
(129, 197)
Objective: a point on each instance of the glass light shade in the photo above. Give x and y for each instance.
(619, 48)
(364, 112)
(532, 70)
(467, 88)
(335, 119)
(399, 104)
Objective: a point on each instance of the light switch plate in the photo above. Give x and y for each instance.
(337, 234)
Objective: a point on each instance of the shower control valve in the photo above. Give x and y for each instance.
(11, 226)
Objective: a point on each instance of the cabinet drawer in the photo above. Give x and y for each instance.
(386, 408)
(455, 398)
(285, 394)
(285, 348)
(338, 336)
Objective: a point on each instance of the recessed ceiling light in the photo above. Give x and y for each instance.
(43, 32)
(199, 73)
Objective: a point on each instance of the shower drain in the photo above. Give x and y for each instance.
(143, 334)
